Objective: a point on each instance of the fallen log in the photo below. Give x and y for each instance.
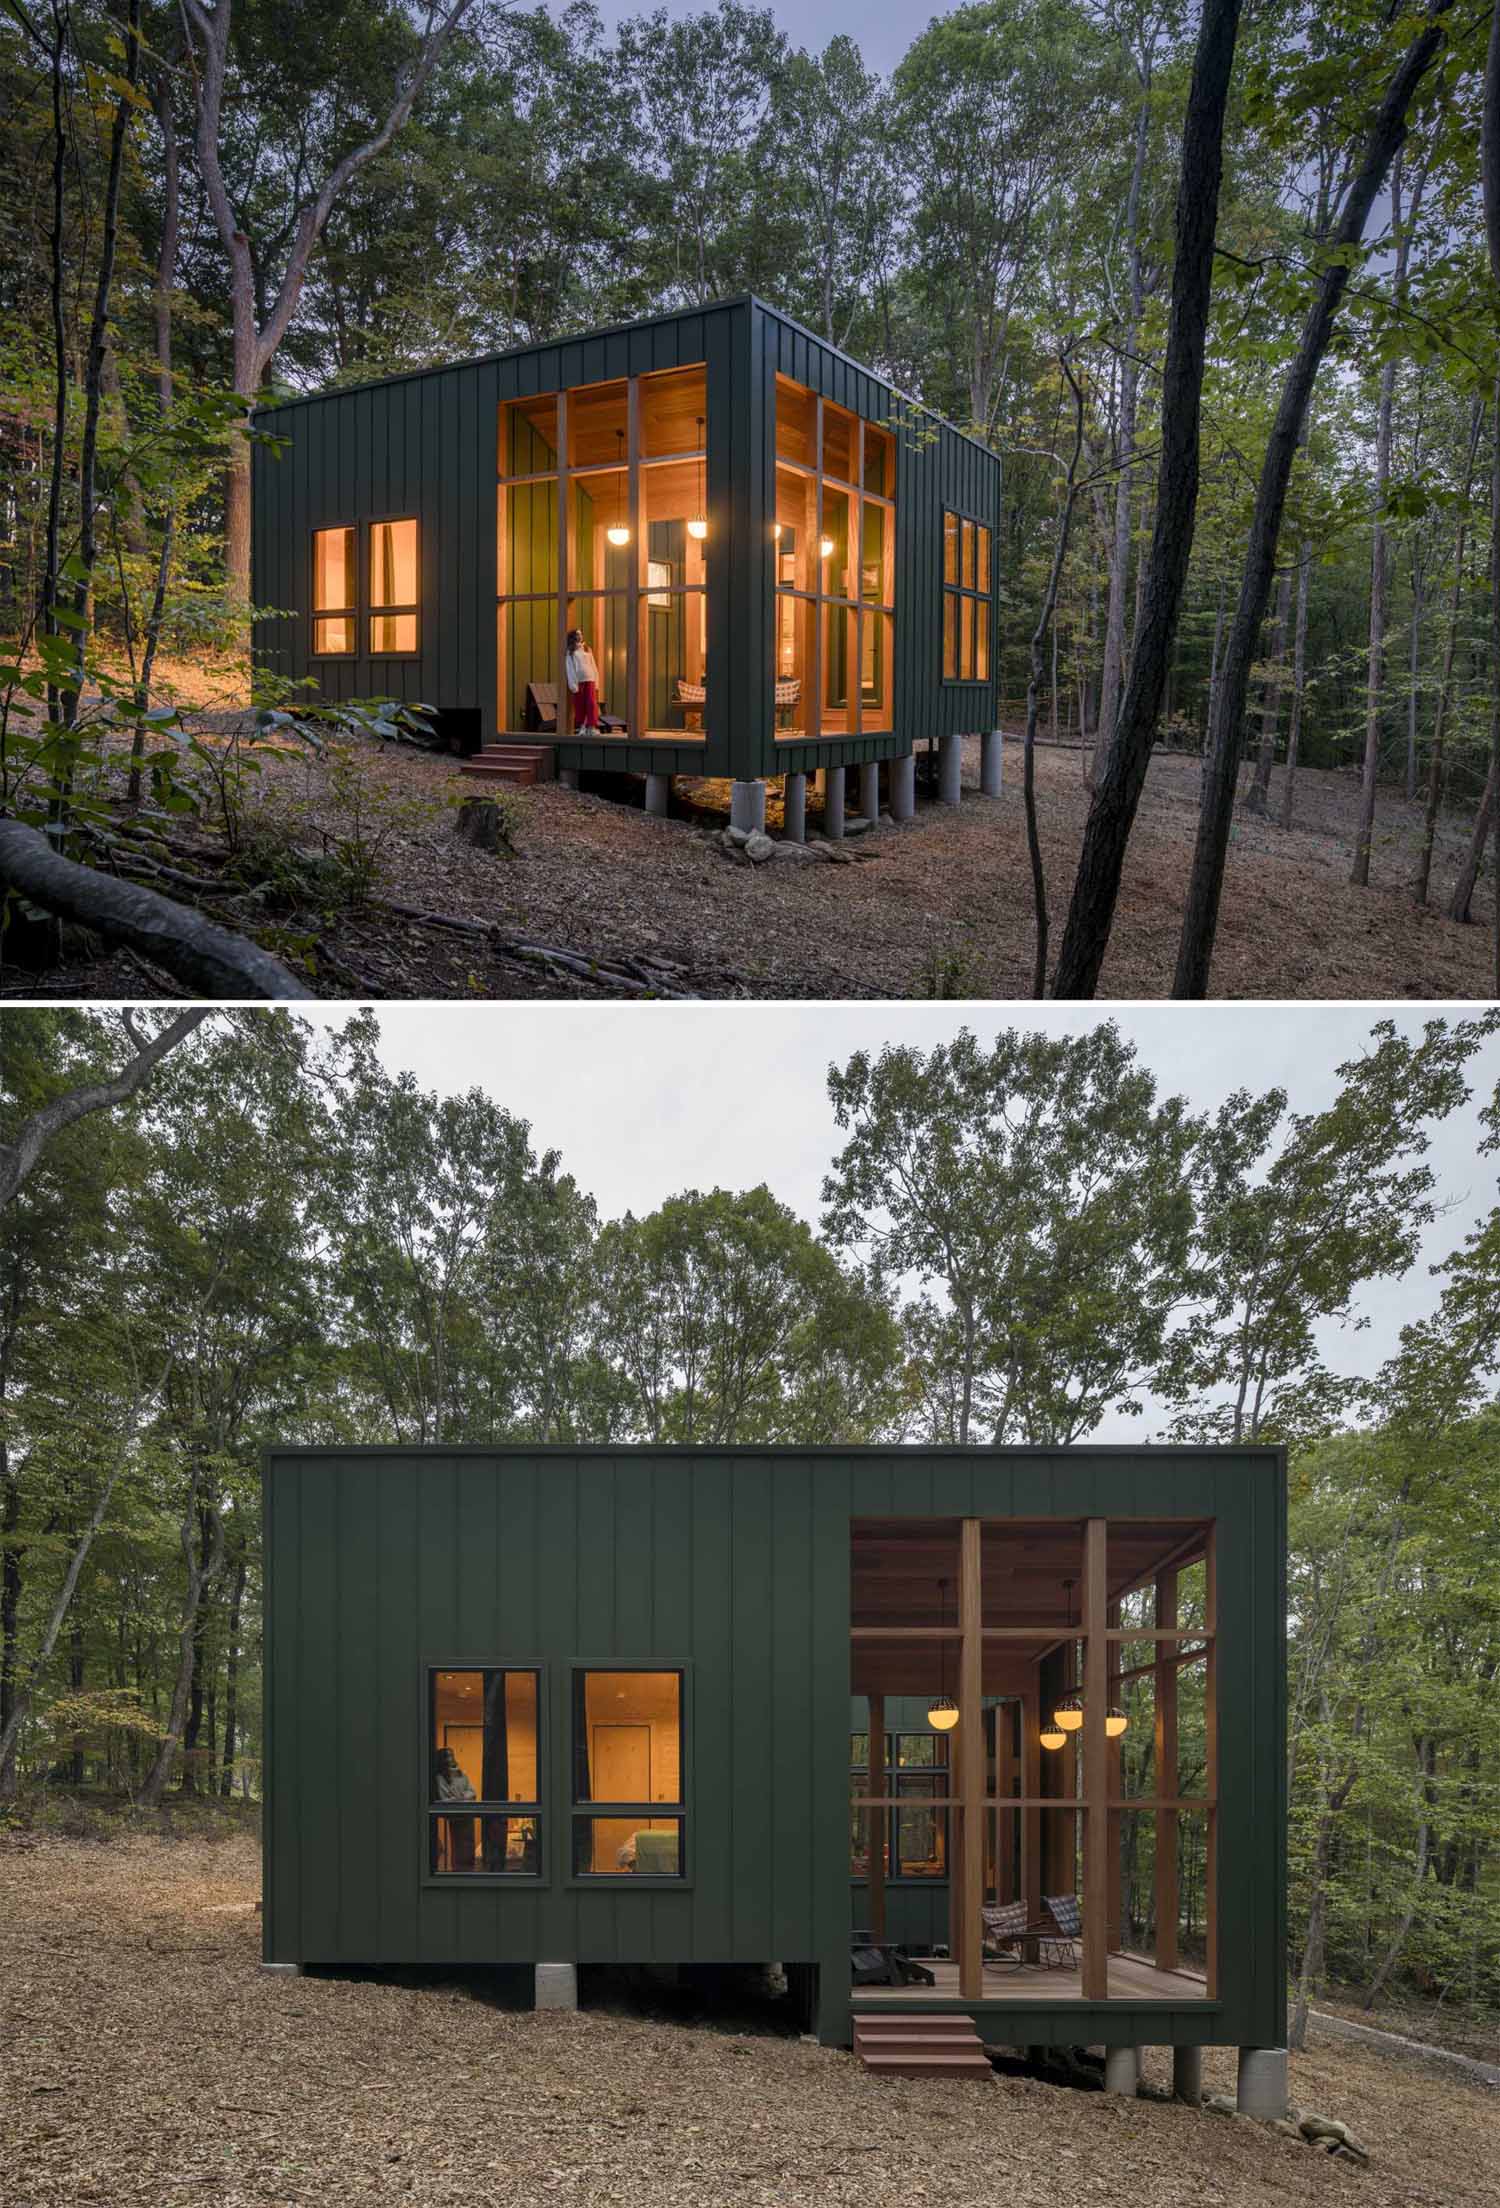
(214, 962)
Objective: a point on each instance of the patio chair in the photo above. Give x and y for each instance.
(540, 716)
(875, 1962)
(1065, 1913)
(1007, 1934)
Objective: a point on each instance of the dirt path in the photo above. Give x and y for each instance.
(939, 907)
(145, 2060)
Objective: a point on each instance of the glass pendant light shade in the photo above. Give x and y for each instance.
(697, 528)
(1050, 1737)
(1115, 1721)
(942, 1713)
(825, 548)
(1068, 1716)
(617, 533)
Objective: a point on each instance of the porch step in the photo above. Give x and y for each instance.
(518, 765)
(921, 2047)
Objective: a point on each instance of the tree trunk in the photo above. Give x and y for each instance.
(1201, 917)
(1375, 662)
(232, 1673)
(1034, 690)
(1414, 669)
(1299, 680)
(1112, 814)
(1119, 562)
(1423, 876)
(202, 1570)
(1258, 796)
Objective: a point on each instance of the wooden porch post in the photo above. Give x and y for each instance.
(971, 1760)
(635, 604)
(1166, 1774)
(1211, 1766)
(1114, 1783)
(562, 728)
(876, 1818)
(1095, 1765)
(1031, 1819)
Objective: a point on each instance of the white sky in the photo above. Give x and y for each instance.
(644, 1101)
(882, 29)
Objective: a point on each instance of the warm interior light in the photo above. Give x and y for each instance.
(698, 528)
(617, 533)
(1069, 1715)
(1050, 1737)
(1115, 1721)
(776, 532)
(825, 548)
(942, 1714)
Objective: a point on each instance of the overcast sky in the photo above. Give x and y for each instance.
(881, 28)
(646, 1100)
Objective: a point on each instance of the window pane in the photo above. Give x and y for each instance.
(796, 414)
(969, 552)
(393, 565)
(597, 426)
(982, 640)
(839, 434)
(605, 623)
(876, 703)
(922, 1750)
(600, 502)
(484, 1736)
(833, 546)
(984, 559)
(794, 661)
(950, 548)
(334, 636)
(494, 1847)
(880, 461)
(528, 437)
(797, 529)
(527, 553)
(950, 637)
(627, 1847)
(529, 671)
(838, 670)
(671, 408)
(333, 572)
(672, 496)
(393, 632)
(921, 1832)
(966, 640)
(627, 1736)
(676, 655)
(875, 581)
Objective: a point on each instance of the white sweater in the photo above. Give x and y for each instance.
(581, 668)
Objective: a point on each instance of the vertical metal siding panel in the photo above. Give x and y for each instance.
(558, 1531)
(830, 1497)
(354, 1750)
(319, 1716)
(789, 1623)
(436, 1479)
(753, 1803)
(450, 460)
(467, 485)
(401, 1751)
(664, 1492)
(476, 1638)
(439, 562)
(286, 1840)
(485, 578)
(716, 1602)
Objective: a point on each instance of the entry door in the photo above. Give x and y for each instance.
(619, 1771)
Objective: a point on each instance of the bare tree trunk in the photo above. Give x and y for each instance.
(1299, 682)
(1258, 796)
(166, 272)
(232, 1672)
(1096, 888)
(1375, 660)
(1408, 1916)
(1414, 670)
(203, 1566)
(19, 1158)
(1422, 879)
(1387, 131)
(1034, 688)
(1119, 561)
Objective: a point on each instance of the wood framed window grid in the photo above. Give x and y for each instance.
(399, 614)
(329, 585)
(614, 607)
(968, 598)
(586, 1809)
(907, 1791)
(842, 603)
(493, 1814)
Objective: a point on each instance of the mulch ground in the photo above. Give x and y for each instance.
(937, 907)
(145, 2059)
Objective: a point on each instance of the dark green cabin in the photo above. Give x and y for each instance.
(557, 1707)
(782, 566)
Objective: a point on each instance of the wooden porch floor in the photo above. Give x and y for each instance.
(1129, 1980)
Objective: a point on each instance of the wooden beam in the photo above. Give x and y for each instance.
(875, 1821)
(1031, 1817)
(971, 1760)
(1167, 1899)
(1095, 1764)
(562, 730)
(635, 605)
(1153, 1633)
(1114, 1754)
(1211, 1767)
(1172, 1663)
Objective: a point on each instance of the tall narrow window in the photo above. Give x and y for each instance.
(833, 539)
(333, 593)
(393, 588)
(914, 1773)
(967, 600)
(629, 1791)
(484, 1814)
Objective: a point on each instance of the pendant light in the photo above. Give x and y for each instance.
(1050, 1737)
(1115, 1721)
(617, 532)
(825, 548)
(1068, 1716)
(698, 526)
(942, 1711)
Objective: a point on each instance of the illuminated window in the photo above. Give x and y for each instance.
(334, 613)
(393, 588)
(968, 602)
(628, 1761)
(484, 1787)
(915, 1775)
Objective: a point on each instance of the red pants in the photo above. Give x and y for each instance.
(585, 706)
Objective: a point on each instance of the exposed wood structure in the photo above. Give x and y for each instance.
(1096, 1926)
(1165, 1716)
(971, 1738)
(875, 1817)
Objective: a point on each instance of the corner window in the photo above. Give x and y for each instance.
(333, 593)
(629, 1791)
(833, 555)
(393, 588)
(484, 1785)
(967, 600)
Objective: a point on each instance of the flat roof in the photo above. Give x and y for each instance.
(625, 329)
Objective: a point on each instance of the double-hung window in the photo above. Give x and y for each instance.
(484, 1808)
(335, 614)
(629, 1782)
(394, 589)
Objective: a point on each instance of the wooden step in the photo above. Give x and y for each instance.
(921, 2047)
(517, 764)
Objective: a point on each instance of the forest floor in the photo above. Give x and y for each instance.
(145, 2059)
(937, 907)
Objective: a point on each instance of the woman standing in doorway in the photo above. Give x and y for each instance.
(583, 683)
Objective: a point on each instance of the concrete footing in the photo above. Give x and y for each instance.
(747, 806)
(567, 778)
(557, 1985)
(833, 802)
(794, 808)
(282, 1970)
(1262, 2087)
(1187, 2075)
(991, 762)
(1122, 2069)
(903, 787)
(950, 769)
(869, 789)
(659, 795)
